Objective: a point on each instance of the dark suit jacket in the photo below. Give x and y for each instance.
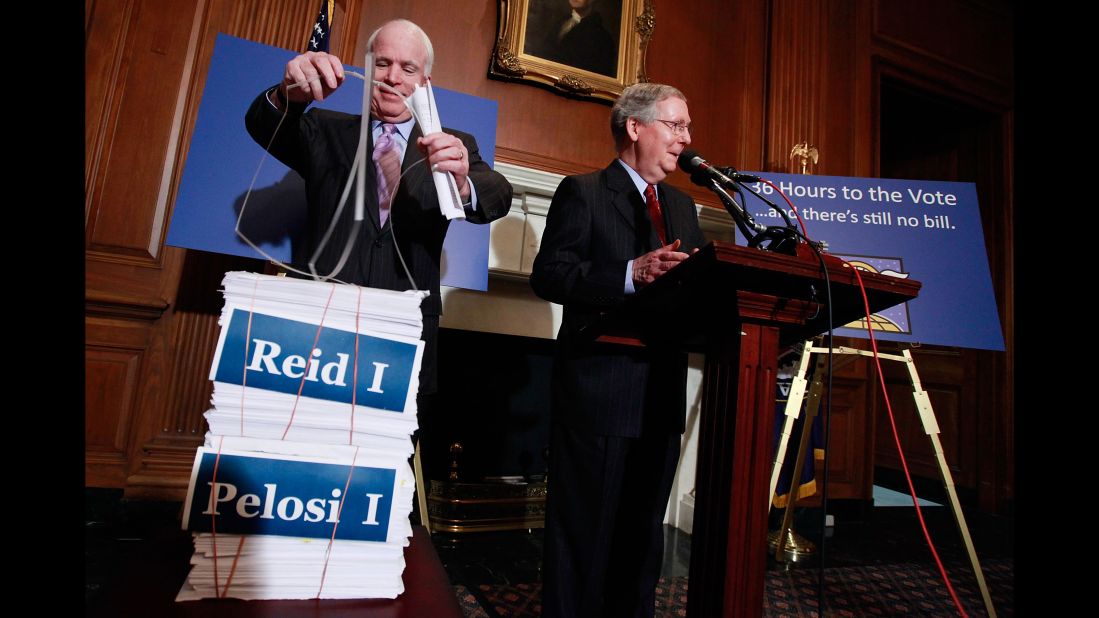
(320, 146)
(598, 222)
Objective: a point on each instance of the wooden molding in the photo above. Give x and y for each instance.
(100, 303)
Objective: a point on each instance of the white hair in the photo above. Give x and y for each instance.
(639, 101)
(429, 59)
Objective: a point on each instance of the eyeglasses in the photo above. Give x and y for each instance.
(678, 128)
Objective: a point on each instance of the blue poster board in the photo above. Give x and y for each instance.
(277, 350)
(927, 230)
(258, 493)
(223, 158)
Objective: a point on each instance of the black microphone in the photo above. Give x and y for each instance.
(702, 171)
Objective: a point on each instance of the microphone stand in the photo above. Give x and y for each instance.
(740, 216)
(779, 239)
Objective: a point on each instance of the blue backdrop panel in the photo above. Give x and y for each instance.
(222, 158)
(269, 495)
(929, 230)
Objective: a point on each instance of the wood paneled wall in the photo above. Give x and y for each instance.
(151, 310)
(713, 51)
(965, 55)
(761, 75)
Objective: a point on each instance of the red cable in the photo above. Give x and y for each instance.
(214, 530)
(233, 569)
(355, 371)
(888, 407)
(213, 516)
(244, 371)
(792, 207)
(339, 513)
(350, 438)
(897, 440)
(305, 372)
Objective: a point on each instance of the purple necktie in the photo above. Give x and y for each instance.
(387, 161)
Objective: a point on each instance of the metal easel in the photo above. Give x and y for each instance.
(798, 393)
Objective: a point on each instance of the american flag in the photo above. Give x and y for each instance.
(318, 37)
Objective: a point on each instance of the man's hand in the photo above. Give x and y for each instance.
(655, 263)
(446, 153)
(311, 76)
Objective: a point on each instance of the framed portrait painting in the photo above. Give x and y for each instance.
(588, 48)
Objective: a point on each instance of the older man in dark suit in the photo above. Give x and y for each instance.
(320, 145)
(618, 413)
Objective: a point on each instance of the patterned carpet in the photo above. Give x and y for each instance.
(885, 590)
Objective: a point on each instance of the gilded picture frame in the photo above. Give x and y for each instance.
(585, 48)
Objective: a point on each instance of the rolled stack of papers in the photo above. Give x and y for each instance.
(303, 488)
(423, 106)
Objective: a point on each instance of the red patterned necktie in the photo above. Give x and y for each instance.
(655, 213)
(387, 161)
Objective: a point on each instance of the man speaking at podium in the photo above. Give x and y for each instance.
(320, 145)
(618, 412)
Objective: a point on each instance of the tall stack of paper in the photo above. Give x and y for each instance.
(303, 488)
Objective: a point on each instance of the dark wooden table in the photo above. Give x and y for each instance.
(151, 578)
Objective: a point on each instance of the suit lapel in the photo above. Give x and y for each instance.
(371, 193)
(620, 193)
(411, 152)
(413, 172)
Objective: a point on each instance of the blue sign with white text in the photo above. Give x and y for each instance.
(927, 230)
(264, 495)
(282, 357)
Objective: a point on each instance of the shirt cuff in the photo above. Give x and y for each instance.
(472, 205)
(296, 108)
(271, 97)
(629, 278)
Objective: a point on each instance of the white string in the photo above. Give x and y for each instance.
(357, 169)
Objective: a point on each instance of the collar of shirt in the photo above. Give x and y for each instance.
(568, 24)
(638, 181)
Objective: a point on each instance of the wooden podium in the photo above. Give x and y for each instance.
(738, 306)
